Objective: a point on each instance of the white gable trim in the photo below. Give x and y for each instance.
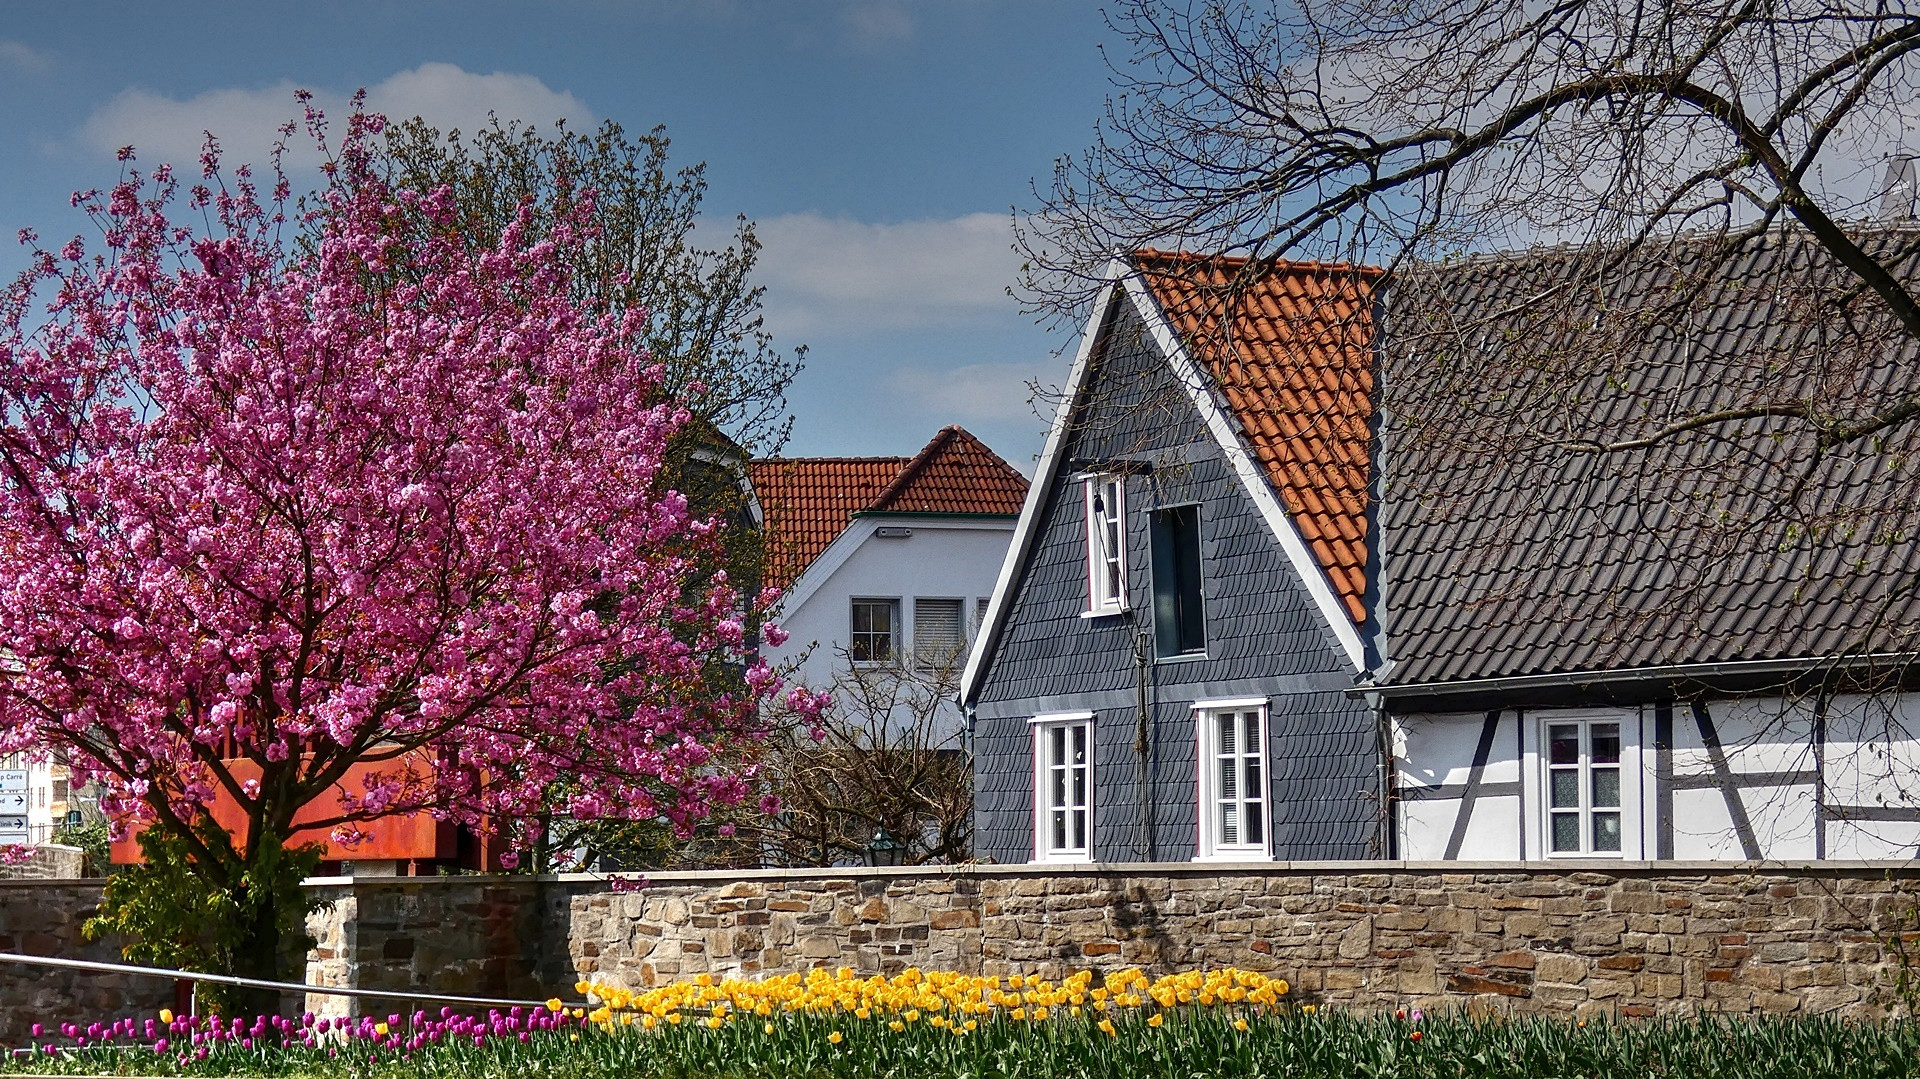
(1251, 476)
(1043, 477)
(855, 536)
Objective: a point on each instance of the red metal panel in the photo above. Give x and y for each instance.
(403, 836)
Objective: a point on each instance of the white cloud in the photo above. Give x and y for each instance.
(22, 58)
(832, 275)
(247, 120)
(877, 23)
(977, 393)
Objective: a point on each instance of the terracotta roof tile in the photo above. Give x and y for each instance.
(809, 501)
(1291, 352)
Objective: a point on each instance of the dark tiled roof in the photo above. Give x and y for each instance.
(1505, 552)
(1290, 352)
(808, 501)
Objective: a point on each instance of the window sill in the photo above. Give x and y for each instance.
(1105, 613)
(1063, 859)
(1184, 657)
(1251, 854)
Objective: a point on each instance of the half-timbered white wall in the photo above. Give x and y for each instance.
(1777, 777)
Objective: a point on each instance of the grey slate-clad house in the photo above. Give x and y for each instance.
(1309, 572)
(1164, 668)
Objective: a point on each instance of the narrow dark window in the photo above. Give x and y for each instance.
(1179, 621)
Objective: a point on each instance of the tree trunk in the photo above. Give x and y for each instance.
(258, 951)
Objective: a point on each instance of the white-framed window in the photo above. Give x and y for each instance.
(1588, 770)
(1235, 819)
(1063, 787)
(1106, 544)
(875, 631)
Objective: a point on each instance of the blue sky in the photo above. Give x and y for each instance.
(880, 144)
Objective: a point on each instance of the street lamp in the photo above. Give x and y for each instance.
(885, 850)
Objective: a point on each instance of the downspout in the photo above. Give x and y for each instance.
(1144, 845)
(1387, 840)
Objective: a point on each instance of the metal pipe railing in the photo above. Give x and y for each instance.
(259, 983)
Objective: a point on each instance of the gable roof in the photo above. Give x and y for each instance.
(954, 473)
(1505, 555)
(1290, 351)
(809, 501)
(1282, 427)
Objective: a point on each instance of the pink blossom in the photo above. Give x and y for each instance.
(352, 514)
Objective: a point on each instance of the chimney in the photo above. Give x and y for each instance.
(1898, 190)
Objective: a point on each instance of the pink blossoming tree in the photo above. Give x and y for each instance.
(269, 512)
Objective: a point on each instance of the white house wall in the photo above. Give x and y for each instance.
(942, 559)
(1872, 796)
(1766, 785)
(1434, 757)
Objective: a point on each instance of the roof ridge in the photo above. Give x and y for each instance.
(949, 436)
(830, 460)
(912, 468)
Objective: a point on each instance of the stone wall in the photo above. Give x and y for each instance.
(43, 918)
(1630, 939)
(50, 861)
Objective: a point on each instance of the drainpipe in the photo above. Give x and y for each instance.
(1383, 774)
(1144, 846)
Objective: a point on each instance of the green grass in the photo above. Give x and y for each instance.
(1288, 1044)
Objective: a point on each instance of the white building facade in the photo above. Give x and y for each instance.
(887, 564)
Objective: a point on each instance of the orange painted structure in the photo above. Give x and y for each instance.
(403, 837)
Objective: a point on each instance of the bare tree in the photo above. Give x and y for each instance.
(1394, 130)
(890, 756)
(1704, 363)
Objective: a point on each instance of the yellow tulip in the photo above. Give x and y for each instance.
(380, 1029)
(1106, 1026)
(896, 1025)
(834, 1037)
(166, 1016)
(1156, 1019)
(554, 1005)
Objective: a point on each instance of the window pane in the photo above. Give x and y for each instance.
(1256, 825)
(1606, 832)
(1229, 823)
(1057, 791)
(1080, 786)
(1223, 728)
(1563, 744)
(1058, 751)
(1228, 788)
(1606, 788)
(1059, 830)
(1566, 788)
(1566, 832)
(1250, 731)
(1250, 771)
(1079, 735)
(1606, 743)
(1079, 828)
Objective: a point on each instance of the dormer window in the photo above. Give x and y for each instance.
(1106, 544)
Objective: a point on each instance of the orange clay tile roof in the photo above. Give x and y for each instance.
(1294, 361)
(809, 501)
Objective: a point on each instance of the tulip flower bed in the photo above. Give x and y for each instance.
(934, 1026)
